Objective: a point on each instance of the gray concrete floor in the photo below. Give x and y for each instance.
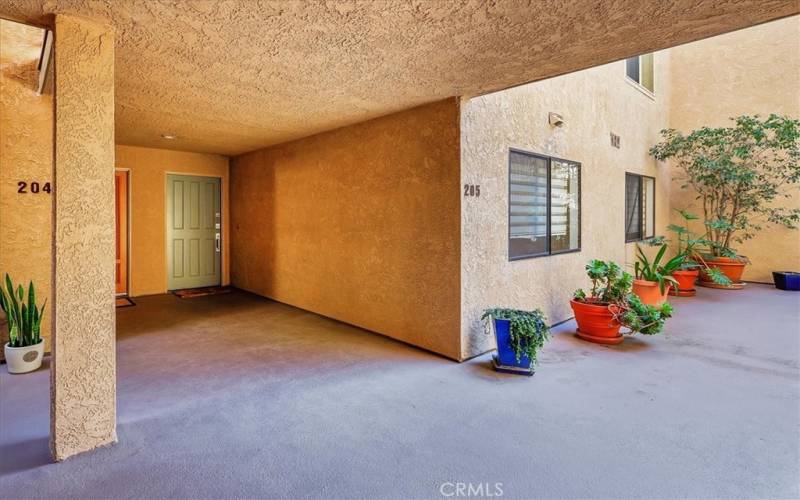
(237, 396)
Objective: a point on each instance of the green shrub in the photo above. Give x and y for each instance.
(737, 173)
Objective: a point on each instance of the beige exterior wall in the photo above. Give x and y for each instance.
(360, 224)
(753, 71)
(83, 367)
(148, 170)
(26, 155)
(594, 103)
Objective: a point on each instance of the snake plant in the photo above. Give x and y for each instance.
(23, 317)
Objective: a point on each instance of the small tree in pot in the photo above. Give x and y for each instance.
(737, 173)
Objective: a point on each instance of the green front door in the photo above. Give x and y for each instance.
(194, 228)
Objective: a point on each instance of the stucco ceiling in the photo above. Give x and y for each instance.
(233, 76)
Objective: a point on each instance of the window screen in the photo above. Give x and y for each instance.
(639, 207)
(632, 68)
(528, 205)
(565, 230)
(544, 205)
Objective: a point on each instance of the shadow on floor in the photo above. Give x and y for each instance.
(22, 455)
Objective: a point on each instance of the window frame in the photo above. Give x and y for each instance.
(638, 84)
(549, 160)
(642, 224)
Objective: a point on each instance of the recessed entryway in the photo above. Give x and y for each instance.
(194, 229)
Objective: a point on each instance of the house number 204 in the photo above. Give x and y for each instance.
(472, 189)
(33, 187)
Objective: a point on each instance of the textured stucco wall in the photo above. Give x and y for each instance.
(360, 224)
(753, 71)
(266, 72)
(594, 103)
(148, 177)
(26, 154)
(83, 372)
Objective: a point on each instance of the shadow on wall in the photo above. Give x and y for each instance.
(27, 73)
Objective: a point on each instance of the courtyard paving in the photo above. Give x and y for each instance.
(239, 396)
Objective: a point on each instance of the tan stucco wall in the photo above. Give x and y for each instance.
(594, 103)
(148, 176)
(83, 370)
(360, 224)
(266, 72)
(26, 154)
(753, 71)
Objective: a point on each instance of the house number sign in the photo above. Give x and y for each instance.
(33, 187)
(472, 189)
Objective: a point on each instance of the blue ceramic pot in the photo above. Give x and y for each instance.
(505, 354)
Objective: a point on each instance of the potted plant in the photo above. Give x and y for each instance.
(737, 173)
(689, 246)
(786, 280)
(611, 305)
(25, 347)
(653, 280)
(519, 335)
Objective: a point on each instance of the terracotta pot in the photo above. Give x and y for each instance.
(732, 268)
(685, 279)
(649, 292)
(596, 323)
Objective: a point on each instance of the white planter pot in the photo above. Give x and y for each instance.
(24, 359)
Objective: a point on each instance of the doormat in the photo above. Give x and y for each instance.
(201, 292)
(124, 302)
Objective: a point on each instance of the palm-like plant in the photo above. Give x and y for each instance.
(692, 246)
(23, 317)
(644, 269)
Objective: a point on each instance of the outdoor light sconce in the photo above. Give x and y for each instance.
(555, 120)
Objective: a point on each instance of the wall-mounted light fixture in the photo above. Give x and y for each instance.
(555, 120)
(169, 137)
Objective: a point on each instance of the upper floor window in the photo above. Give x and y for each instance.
(640, 70)
(544, 205)
(640, 207)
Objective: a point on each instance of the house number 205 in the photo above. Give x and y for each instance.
(33, 187)
(472, 189)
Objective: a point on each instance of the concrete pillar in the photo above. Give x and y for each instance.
(83, 384)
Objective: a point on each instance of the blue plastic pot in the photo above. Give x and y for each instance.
(505, 354)
(787, 280)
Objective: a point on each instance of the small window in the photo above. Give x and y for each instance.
(640, 70)
(544, 205)
(640, 207)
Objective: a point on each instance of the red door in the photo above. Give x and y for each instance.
(121, 192)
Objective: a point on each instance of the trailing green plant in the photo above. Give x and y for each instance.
(528, 330)
(737, 173)
(642, 318)
(644, 269)
(23, 318)
(611, 287)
